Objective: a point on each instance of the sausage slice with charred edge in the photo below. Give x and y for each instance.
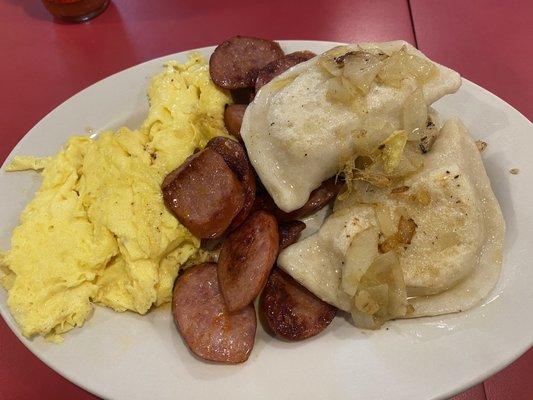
(233, 115)
(235, 157)
(246, 258)
(235, 62)
(290, 311)
(318, 198)
(242, 96)
(289, 233)
(204, 323)
(204, 194)
(279, 66)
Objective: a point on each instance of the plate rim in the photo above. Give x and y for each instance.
(511, 357)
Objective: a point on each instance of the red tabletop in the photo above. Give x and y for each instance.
(487, 41)
(45, 62)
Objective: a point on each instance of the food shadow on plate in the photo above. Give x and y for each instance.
(480, 122)
(132, 121)
(498, 172)
(496, 165)
(342, 328)
(27, 184)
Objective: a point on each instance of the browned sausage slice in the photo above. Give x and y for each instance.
(204, 194)
(289, 233)
(246, 258)
(290, 311)
(242, 96)
(318, 198)
(233, 115)
(279, 66)
(235, 157)
(204, 323)
(263, 201)
(235, 62)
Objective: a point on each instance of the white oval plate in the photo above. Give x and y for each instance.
(126, 356)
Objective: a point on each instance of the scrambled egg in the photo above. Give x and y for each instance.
(97, 229)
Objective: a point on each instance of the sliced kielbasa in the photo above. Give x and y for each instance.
(246, 258)
(204, 194)
(233, 115)
(318, 198)
(242, 96)
(263, 200)
(235, 62)
(279, 66)
(235, 157)
(208, 329)
(289, 233)
(290, 311)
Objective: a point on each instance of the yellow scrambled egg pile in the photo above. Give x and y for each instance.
(98, 230)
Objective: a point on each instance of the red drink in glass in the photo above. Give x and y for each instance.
(75, 10)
